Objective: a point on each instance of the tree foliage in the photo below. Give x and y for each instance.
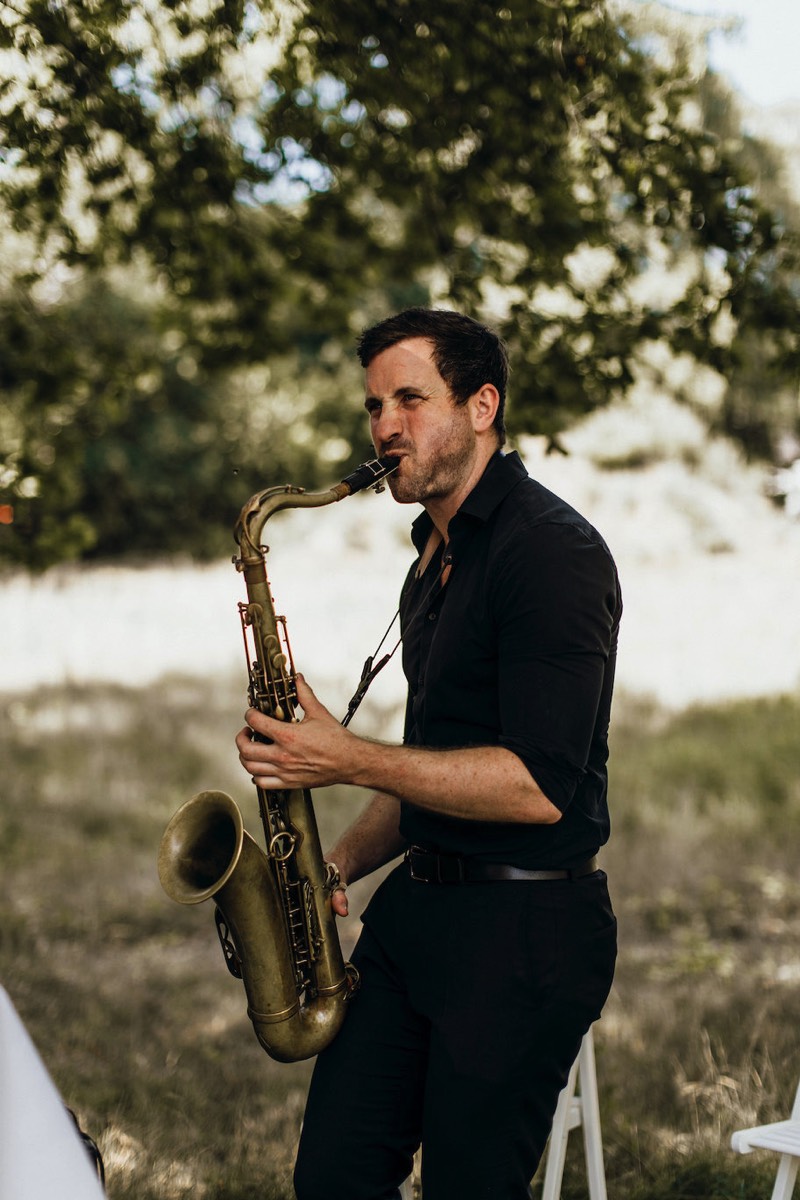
(124, 442)
(113, 435)
(538, 168)
(281, 175)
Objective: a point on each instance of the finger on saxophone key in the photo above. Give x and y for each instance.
(339, 900)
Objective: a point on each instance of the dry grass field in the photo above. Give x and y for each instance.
(145, 1033)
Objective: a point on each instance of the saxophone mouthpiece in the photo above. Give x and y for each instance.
(371, 473)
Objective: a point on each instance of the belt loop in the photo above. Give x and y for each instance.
(587, 868)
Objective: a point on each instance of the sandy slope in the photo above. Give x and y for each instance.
(710, 573)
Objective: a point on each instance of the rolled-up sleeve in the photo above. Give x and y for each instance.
(555, 603)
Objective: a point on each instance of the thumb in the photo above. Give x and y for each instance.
(306, 698)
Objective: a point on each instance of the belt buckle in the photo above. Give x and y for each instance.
(410, 855)
(448, 875)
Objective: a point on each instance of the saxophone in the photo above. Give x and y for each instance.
(273, 909)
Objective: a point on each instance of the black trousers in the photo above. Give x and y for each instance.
(473, 1002)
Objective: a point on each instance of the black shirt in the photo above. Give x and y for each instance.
(517, 649)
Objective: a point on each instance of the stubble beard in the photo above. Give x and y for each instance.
(441, 472)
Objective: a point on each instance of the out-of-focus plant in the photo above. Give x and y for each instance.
(284, 173)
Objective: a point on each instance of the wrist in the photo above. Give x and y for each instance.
(369, 764)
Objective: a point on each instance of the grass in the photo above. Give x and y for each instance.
(126, 996)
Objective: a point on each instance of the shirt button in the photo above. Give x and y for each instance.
(431, 616)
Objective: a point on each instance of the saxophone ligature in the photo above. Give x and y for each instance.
(273, 909)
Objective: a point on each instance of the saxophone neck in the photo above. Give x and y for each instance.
(263, 505)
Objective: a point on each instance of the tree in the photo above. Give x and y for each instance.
(284, 175)
(537, 169)
(109, 426)
(119, 440)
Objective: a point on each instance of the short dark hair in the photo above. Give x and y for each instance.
(466, 354)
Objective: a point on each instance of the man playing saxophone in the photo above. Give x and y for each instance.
(489, 950)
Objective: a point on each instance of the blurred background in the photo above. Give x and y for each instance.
(202, 203)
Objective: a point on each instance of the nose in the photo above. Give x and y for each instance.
(387, 424)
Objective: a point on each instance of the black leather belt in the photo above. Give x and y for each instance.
(427, 866)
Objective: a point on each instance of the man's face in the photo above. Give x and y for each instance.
(412, 415)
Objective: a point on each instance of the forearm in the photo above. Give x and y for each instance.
(477, 783)
(371, 841)
(480, 783)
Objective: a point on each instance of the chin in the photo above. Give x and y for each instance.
(403, 485)
(402, 493)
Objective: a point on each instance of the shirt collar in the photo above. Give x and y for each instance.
(503, 472)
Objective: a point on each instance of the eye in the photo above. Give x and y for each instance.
(373, 407)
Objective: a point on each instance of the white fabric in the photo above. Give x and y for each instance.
(41, 1155)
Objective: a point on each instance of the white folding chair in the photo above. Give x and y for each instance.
(577, 1105)
(783, 1138)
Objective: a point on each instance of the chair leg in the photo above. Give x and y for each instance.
(785, 1179)
(557, 1146)
(590, 1111)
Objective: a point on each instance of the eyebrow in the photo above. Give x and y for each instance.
(406, 389)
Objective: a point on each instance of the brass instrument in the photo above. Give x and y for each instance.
(273, 914)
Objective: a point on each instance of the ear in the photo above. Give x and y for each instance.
(483, 407)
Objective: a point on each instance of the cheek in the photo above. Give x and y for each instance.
(450, 436)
